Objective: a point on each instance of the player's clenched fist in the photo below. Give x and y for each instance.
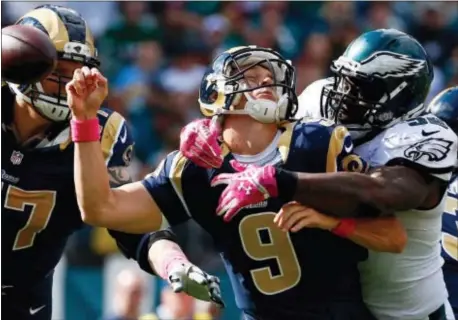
(294, 217)
(86, 93)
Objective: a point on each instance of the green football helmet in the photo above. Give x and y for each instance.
(382, 78)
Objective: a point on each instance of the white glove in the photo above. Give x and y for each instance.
(195, 283)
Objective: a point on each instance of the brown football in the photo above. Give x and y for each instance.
(28, 55)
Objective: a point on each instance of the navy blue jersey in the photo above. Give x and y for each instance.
(450, 241)
(274, 274)
(38, 194)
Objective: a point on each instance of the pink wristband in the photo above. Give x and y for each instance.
(345, 228)
(85, 130)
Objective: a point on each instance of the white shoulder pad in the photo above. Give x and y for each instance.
(309, 100)
(426, 141)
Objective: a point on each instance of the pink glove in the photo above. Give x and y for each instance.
(199, 143)
(249, 186)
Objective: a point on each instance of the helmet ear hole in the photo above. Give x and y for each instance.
(213, 96)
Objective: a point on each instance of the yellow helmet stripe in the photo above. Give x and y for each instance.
(53, 24)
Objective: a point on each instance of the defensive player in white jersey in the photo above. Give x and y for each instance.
(380, 84)
(373, 79)
(445, 107)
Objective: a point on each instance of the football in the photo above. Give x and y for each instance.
(28, 54)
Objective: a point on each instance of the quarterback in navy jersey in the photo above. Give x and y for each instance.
(445, 107)
(38, 196)
(40, 209)
(274, 274)
(378, 90)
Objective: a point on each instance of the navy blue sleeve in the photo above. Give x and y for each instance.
(328, 148)
(134, 246)
(167, 185)
(115, 138)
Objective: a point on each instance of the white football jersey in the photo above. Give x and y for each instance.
(309, 100)
(409, 285)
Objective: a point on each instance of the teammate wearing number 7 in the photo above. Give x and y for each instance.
(274, 274)
(40, 210)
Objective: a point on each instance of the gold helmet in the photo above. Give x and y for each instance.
(73, 40)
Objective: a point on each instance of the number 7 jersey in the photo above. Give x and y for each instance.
(38, 193)
(274, 275)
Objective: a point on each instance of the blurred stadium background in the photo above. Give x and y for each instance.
(154, 54)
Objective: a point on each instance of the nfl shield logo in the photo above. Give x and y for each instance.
(16, 157)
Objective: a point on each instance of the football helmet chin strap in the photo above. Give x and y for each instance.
(262, 110)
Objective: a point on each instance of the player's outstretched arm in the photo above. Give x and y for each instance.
(379, 192)
(128, 208)
(413, 177)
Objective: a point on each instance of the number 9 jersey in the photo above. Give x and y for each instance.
(311, 274)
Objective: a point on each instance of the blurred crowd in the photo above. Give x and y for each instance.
(155, 53)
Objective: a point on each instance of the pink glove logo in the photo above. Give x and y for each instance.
(246, 189)
(249, 186)
(199, 143)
